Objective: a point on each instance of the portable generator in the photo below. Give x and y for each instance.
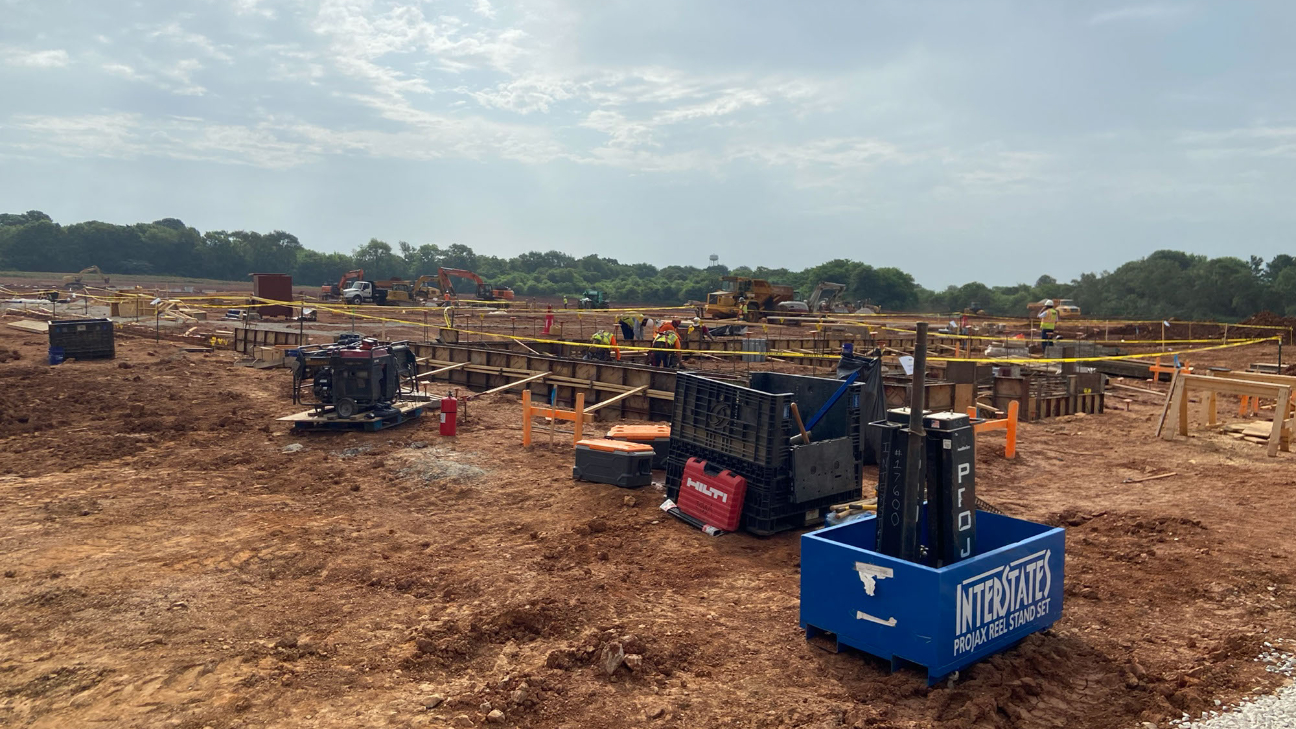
(356, 378)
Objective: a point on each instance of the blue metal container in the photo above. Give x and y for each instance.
(56, 355)
(941, 619)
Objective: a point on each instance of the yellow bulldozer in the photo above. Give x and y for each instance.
(745, 298)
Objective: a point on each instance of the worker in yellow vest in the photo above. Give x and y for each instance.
(604, 342)
(1049, 319)
(663, 343)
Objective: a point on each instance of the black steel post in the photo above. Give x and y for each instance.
(915, 462)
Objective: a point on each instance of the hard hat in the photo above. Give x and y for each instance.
(696, 320)
(1048, 302)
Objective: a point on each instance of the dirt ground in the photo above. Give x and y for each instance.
(166, 563)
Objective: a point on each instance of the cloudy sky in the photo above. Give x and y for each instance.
(958, 140)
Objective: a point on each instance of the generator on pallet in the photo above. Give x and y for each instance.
(357, 377)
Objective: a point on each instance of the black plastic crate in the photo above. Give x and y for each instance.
(768, 507)
(737, 421)
(84, 338)
(810, 394)
(682, 451)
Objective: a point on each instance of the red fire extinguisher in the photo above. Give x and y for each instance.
(449, 414)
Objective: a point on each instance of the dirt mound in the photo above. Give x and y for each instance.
(1270, 319)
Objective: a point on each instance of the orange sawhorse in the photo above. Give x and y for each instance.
(530, 411)
(1008, 425)
(1158, 368)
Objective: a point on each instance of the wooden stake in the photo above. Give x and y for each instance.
(1150, 478)
(796, 414)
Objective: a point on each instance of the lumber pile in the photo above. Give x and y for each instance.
(1257, 432)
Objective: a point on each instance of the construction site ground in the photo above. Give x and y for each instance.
(170, 558)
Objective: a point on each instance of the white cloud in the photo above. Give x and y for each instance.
(621, 132)
(178, 35)
(1156, 11)
(252, 7)
(1255, 142)
(525, 94)
(94, 135)
(484, 8)
(35, 59)
(121, 69)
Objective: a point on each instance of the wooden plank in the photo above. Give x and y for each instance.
(588, 384)
(1135, 389)
(438, 371)
(1208, 383)
(309, 416)
(1280, 416)
(1175, 387)
(618, 398)
(29, 325)
(503, 387)
(1272, 379)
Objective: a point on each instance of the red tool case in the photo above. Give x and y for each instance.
(712, 494)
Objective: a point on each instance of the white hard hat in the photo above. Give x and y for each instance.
(1048, 302)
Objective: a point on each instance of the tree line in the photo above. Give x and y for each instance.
(1164, 284)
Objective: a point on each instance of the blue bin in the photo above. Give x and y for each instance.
(56, 355)
(941, 619)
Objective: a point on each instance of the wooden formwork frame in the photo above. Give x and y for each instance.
(1183, 384)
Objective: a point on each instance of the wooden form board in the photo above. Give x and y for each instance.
(247, 340)
(485, 367)
(1176, 405)
(31, 325)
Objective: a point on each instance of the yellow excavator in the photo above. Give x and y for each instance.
(77, 280)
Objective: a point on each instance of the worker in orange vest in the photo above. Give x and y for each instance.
(548, 318)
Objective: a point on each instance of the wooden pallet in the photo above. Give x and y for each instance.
(328, 420)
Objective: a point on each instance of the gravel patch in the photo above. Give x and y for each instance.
(1275, 711)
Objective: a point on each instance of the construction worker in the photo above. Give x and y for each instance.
(564, 301)
(1049, 318)
(663, 343)
(697, 326)
(549, 318)
(604, 342)
(629, 323)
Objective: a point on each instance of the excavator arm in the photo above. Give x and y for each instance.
(444, 274)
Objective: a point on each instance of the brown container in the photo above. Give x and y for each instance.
(276, 287)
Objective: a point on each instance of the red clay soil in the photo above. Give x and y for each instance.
(166, 563)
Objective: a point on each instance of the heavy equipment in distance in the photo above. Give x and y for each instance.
(1067, 308)
(484, 291)
(594, 299)
(750, 299)
(77, 280)
(333, 292)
